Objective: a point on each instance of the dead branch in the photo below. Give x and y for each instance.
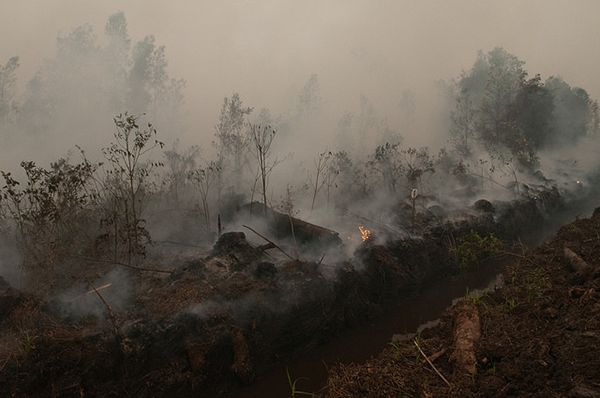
(271, 242)
(321, 260)
(264, 247)
(432, 365)
(91, 291)
(438, 354)
(110, 312)
(170, 242)
(101, 260)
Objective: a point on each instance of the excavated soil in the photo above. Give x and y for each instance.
(539, 334)
(210, 324)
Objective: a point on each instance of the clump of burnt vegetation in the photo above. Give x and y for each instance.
(83, 210)
(156, 272)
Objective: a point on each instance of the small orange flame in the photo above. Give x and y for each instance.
(366, 234)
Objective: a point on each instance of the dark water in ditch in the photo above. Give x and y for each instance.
(422, 309)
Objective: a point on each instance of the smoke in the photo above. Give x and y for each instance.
(255, 305)
(348, 86)
(82, 300)
(269, 50)
(11, 262)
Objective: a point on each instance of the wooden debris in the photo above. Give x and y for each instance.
(101, 260)
(432, 365)
(467, 331)
(110, 312)
(305, 232)
(436, 355)
(575, 261)
(264, 247)
(270, 242)
(92, 291)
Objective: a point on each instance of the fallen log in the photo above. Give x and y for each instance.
(575, 261)
(467, 331)
(305, 232)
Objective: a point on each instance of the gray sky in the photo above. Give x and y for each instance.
(264, 49)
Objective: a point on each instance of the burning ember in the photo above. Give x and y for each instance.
(366, 234)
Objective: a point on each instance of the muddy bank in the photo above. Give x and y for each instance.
(538, 336)
(217, 322)
(401, 319)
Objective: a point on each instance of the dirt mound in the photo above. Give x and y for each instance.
(539, 334)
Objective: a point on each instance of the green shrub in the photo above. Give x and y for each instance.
(470, 249)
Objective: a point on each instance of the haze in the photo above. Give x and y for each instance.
(267, 50)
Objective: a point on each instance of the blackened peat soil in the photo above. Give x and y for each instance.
(540, 334)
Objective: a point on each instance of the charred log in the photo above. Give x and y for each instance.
(304, 232)
(467, 331)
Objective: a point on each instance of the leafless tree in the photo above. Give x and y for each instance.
(261, 138)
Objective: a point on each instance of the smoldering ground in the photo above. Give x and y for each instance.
(92, 299)
(351, 115)
(11, 261)
(355, 115)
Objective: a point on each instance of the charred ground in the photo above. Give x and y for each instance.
(539, 334)
(211, 323)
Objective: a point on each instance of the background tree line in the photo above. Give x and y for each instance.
(500, 109)
(85, 82)
(501, 119)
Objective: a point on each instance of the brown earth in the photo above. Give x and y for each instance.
(539, 334)
(216, 322)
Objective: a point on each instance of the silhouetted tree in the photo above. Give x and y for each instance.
(416, 162)
(503, 82)
(322, 163)
(463, 127)
(116, 55)
(388, 134)
(84, 81)
(594, 124)
(231, 141)
(530, 126)
(179, 164)
(261, 138)
(309, 104)
(474, 80)
(387, 162)
(129, 176)
(8, 78)
(343, 135)
(141, 75)
(351, 181)
(573, 110)
(203, 179)
(366, 122)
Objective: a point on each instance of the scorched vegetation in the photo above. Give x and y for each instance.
(191, 270)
